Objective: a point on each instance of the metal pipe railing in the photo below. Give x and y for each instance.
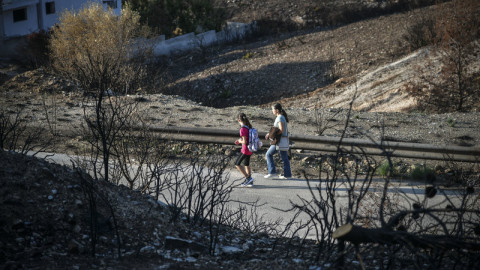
(330, 144)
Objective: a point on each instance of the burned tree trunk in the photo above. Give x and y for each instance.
(359, 235)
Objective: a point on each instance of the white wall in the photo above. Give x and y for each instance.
(233, 31)
(22, 27)
(62, 5)
(33, 23)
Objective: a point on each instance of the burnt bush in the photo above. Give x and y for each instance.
(35, 51)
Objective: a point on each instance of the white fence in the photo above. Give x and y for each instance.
(233, 31)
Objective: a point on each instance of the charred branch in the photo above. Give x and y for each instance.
(359, 235)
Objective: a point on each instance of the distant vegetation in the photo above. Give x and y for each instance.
(177, 17)
(333, 13)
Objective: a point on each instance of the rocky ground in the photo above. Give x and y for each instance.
(44, 212)
(66, 115)
(45, 221)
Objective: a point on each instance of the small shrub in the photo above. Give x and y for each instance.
(420, 34)
(248, 56)
(226, 93)
(451, 122)
(178, 31)
(385, 170)
(420, 172)
(36, 49)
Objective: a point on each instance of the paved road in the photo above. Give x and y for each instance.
(277, 194)
(274, 194)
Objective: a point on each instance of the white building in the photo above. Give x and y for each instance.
(22, 17)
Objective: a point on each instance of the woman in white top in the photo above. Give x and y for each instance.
(280, 122)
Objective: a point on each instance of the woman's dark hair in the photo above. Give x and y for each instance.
(278, 107)
(243, 118)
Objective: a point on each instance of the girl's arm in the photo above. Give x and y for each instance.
(242, 140)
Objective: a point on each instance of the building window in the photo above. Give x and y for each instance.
(50, 7)
(20, 15)
(111, 4)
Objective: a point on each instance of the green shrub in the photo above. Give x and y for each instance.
(188, 15)
(248, 56)
(420, 172)
(385, 169)
(451, 122)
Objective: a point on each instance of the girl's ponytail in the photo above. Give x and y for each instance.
(278, 107)
(243, 118)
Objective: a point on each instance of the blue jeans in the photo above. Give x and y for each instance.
(271, 164)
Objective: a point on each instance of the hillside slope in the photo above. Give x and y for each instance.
(308, 68)
(287, 65)
(381, 89)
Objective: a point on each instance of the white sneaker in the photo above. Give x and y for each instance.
(283, 177)
(270, 176)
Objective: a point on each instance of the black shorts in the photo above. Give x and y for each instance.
(245, 159)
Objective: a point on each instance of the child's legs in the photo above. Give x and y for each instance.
(246, 162)
(248, 170)
(245, 169)
(242, 170)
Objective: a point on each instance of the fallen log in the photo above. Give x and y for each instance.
(359, 235)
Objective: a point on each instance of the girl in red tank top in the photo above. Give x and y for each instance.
(243, 161)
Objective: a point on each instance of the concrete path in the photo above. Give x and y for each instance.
(275, 195)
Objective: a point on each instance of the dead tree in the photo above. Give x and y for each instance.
(357, 220)
(359, 235)
(78, 50)
(16, 135)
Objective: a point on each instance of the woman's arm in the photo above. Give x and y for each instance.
(281, 126)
